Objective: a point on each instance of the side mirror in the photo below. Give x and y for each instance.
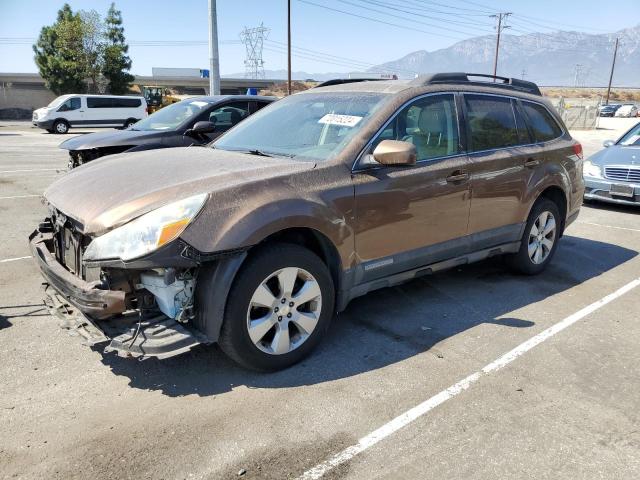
(608, 143)
(395, 152)
(201, 127)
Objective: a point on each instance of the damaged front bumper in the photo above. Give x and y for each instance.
(99, 315)
(85, 296)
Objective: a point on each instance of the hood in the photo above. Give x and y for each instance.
(109, 192)
(109, 138)
(617, 155)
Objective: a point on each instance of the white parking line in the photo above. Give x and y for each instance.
(34, 170)
(7, 260)
(416, 412)
(610, 226)
(19, 196)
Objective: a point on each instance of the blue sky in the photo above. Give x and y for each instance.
(315, 29)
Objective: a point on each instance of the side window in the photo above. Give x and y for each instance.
(542, 124)
(259, 105)
(524, 137)
(125, 102)
(228, 115)
(430, 123)
(98, 102)
(71, 104)
(491, 122)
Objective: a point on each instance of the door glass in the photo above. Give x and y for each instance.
(229, 115)
(71, 104)
(524, 137)
(544, 127)
(429, 123)
(491, 121)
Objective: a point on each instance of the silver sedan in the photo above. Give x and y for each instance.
(613, 174)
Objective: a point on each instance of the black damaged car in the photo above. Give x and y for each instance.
(194, 121)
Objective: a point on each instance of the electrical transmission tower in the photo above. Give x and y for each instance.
(578, 79)
(253, 39)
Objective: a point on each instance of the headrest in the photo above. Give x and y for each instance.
(432, 119)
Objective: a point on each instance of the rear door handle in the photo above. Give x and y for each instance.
(531, 162)
(458, 176)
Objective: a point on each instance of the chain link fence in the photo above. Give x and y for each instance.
(578, 113)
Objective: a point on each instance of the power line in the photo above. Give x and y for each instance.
(335, 58)
(406, 19)
(395, 7)
(404, 27)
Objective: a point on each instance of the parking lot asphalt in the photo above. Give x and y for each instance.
(565, 408)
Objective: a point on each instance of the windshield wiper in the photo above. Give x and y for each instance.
(259, 153)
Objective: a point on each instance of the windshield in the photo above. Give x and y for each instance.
(170, 117)
(631, 138)
(58, 101)
(305, 126)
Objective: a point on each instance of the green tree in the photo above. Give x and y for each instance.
(116, 63)
(57, 54)
(81, 53)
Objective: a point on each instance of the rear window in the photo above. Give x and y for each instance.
(491, 121)
(542, 124)
(113, 102)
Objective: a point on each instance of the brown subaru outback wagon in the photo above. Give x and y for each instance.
(257, 241)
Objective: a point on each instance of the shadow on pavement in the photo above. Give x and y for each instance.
(390, 325)
(614, 207)
(40, 311)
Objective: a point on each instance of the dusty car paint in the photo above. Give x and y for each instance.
(380, 224)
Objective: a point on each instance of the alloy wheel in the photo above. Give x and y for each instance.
(284, 310)
(542, 237)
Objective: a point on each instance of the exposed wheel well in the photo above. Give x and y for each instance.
(557, 196)
(314, 241)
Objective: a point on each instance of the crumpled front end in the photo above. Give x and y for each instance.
(141, 308)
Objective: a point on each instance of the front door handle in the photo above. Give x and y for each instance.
(458, 176)
(531, 162)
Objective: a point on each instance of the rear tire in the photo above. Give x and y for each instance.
(540, 239)
(60, 127)
(130, 122)
(278, 309)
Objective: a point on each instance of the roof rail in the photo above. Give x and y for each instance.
(463, 78)
(340, 81)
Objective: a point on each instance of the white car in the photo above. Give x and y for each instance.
(627, 110)
(70, 111)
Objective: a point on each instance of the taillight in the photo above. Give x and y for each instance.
(577, 149)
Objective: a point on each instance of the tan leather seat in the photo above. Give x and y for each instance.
(431, 139)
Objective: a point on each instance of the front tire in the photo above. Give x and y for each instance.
(278, 309)
(60, 127)
(540, 239)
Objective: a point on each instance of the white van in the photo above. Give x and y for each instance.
(90, 111)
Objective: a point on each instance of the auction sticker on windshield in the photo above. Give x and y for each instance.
(340, 120)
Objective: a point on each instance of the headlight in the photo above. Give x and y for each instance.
(591, 169)
(146, 233)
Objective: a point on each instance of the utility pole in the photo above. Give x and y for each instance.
(501, 26)
(214, 59)
(288, 47)
(524, 73)
(613, 66)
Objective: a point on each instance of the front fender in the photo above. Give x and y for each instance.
(243, 216)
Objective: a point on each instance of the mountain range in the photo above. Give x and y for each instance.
(562, 58)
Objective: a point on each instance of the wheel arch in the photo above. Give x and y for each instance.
(316, 242)
(558, 196)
